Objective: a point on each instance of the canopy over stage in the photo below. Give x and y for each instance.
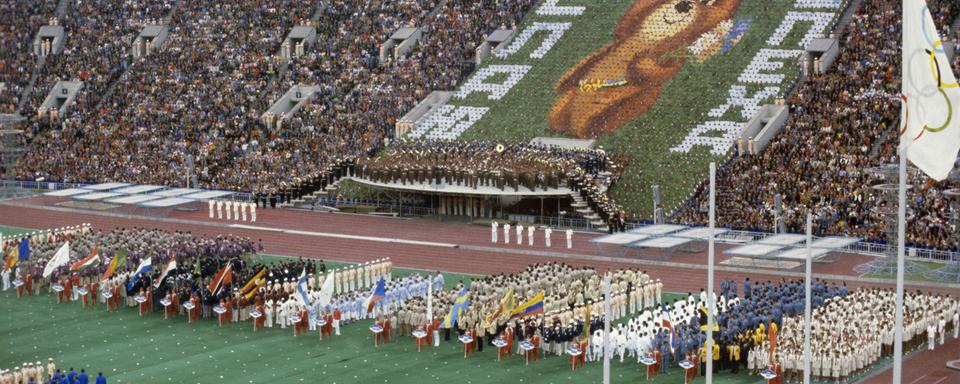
(664, 239)
(146, 197)
(480, 202)
(138, 189)
(788, 247)
(463, 190)
(176, 192)
(623, 238)
(105, 186)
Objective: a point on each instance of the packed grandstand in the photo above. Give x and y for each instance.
(168, 167)
(139, 118)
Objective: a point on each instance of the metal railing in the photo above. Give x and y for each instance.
(379, 206)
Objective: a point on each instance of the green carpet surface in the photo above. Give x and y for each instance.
(131, 349)
(128, 348)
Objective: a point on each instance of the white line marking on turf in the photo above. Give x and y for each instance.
(342, 236)
(918, 379)
(941, 379)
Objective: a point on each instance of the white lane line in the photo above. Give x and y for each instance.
(343, 236)
(918, 379)
(941, 379)
(244, 226)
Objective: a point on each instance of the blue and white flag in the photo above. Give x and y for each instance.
(145, 267)
(302, 289)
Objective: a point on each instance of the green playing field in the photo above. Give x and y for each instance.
(128, 348)
(13, 231)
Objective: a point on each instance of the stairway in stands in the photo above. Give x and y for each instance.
(583, 208)
(60, 13)
(310, 201)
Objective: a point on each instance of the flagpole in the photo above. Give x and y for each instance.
(430, 299)
(710, 260)
(808, 301)
(606, 329)
(901, 237)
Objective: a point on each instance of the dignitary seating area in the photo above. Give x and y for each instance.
(532, 167)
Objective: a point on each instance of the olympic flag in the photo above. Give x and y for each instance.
(931, 96)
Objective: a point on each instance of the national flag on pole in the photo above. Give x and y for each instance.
(531, 307)
(378, 293)
(253, 284)
(430, 283)
(772, 336)
(326, 290)
(146, 266)
(586, 325)
(87, 262)
(24, 249)
(118, 261)
(668, 324)
(259, 284)
(460, 305)
(61, 258)
(930, 95)
(224, 277)
(166, 270)
(12, 258)
(705, 318)
(302, 288)
(505, 307)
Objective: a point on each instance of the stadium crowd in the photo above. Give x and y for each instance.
(19, 23)
(97, 48)
(841, 124)
(481, 164)
(153, 120)
(488, 164)
(148, 130)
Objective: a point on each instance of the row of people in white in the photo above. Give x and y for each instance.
(852, 333)
(235, 210)
(531, 231)
(636, 338)
(349, 305)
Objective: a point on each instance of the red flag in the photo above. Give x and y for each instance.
(772, 336)
(224, 277)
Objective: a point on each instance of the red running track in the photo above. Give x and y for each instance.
(473, 253)
(684, 272)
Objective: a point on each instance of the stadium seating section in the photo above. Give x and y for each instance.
(199, 99)
(841, 126)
